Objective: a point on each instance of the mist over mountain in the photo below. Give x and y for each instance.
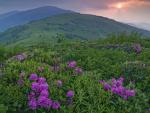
(145, 26)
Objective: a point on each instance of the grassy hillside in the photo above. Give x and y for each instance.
(72, 26)
(76, 87)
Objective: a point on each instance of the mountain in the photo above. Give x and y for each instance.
(72, 25)
(15, 18)
(145, 26)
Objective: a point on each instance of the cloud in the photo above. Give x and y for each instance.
(71, 4)
(131, 9)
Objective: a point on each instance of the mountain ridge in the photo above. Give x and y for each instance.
(23, 17)
(71, 25)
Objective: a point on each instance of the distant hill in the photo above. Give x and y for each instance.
(72, 25)
(15, 18)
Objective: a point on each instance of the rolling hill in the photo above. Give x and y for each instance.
(71, 25)
(15, 18)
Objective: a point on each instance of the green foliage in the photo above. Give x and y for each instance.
(2, 53)
(100, 59)
(3, 109)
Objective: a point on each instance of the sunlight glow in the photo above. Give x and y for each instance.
(119, 6)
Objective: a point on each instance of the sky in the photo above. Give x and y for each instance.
(134, 11)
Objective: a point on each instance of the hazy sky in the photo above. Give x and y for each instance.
(122, 10)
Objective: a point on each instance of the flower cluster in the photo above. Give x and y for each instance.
(78, 70)
(70, 95)
(117, 87)
(137, 48)
(39, 96)
(21, 57)
(73, 65)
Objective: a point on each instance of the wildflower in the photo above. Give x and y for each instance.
(35, 86)
(113, 89)
(41, 80)
(31, 95)
(130, 93)
(117, 87)
(101, 81)
(113, 82)
(78, 70)
(32, 104)
(33, 76)
(56, 105)
(20, 57)
(107, 86)
(121, 79)
(43, 86)
(42, 101)
(137, 48)
(44, 93)
(72, 64)
(59, 83)
(20, 82)
(49, 103)
(120, 90)
(125, 97)
(119, 82)
(39, 96)
(70, 93)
